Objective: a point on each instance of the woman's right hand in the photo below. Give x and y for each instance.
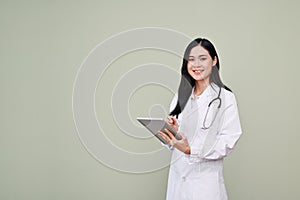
(172, 121)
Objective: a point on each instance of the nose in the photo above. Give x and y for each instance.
(196, 63)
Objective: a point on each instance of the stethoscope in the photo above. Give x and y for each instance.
(217, 100)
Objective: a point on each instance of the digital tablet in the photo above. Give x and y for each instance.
(154, 125)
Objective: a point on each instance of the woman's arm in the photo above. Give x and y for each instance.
(228, 135)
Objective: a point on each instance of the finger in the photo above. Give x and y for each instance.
(174, 120)
(169, 134)
(165, 136)
(182, 135)
(172, 117)
(170, 120)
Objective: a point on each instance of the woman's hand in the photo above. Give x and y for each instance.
(172, 121)
(182, 145)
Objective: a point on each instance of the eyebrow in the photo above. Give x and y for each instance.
(199, 55)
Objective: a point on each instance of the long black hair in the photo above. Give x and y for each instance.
(187, 82)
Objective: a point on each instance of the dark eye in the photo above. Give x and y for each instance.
(203, 59)
(191, 59)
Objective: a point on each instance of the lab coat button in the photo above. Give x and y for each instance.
(183, 178)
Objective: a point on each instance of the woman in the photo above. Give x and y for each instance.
(206, 116)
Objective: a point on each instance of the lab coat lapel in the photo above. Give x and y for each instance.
(194, 112)
(194, 106)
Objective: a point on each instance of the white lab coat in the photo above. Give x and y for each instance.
(199, 176)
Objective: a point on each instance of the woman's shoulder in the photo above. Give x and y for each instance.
(229, 96)
(226, 92)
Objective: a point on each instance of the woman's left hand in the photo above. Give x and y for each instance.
(182, 145)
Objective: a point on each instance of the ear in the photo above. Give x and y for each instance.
(215, 61)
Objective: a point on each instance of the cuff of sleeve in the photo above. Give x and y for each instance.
(168, 146)
(194, 157)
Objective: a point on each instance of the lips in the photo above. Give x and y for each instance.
(198, 71)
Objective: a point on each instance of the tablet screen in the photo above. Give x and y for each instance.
(154, 125)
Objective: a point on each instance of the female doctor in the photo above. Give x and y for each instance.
(205, 114)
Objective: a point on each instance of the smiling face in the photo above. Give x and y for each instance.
(200, 64)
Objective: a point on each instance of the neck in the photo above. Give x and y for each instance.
(200, 86)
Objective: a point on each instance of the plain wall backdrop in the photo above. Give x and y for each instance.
(43, 43)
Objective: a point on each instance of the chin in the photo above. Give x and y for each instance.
(197, 78)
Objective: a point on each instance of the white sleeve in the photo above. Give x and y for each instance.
(228, 135)
(173, 103)
(172, 106)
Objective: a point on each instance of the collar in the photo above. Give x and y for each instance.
(210, 91)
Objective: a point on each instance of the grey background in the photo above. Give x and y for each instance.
(43, 44)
